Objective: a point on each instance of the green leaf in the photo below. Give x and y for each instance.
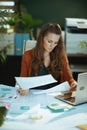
(3, 111)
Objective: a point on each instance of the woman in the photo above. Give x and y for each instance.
(47, 57)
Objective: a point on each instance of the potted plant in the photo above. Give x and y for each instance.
(3, 53)
(23, 25)
(3, 111)
(24, 29)
(26, 22)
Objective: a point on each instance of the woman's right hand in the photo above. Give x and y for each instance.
(73, 86)
(23, 92)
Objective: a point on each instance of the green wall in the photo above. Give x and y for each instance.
(56, 10)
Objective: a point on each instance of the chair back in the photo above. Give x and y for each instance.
(28, 45)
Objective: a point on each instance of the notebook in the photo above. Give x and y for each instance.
(80, 95)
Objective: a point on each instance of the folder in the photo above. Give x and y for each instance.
(19, 40)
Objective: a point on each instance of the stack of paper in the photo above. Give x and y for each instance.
(31, 82)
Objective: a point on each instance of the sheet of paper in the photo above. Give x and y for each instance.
(58, 88)
(31, 82)
(36, 115)
(7, 93)
(23, 125)
(71, 121)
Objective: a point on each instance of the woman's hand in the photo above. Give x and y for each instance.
(73, 86)
(23, 92)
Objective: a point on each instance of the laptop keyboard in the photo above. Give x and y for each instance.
(71, 99)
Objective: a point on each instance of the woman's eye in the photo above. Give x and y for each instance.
(49, 41)
(56, 43)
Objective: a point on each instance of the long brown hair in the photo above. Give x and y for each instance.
(56, 56)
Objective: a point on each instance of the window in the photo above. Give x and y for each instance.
(7, 7)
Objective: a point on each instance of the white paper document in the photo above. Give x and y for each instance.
(7, 93)
(31, 82)
(67, 123)
(58, 88)
(36, 114)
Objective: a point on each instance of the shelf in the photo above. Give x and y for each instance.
(78, 68)
(77, 55)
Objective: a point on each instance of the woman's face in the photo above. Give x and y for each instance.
(50, 41)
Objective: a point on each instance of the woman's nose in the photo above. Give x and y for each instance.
(51, 44)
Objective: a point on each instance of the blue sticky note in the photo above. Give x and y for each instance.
(6, 89)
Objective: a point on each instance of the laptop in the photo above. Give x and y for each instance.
(80, 95)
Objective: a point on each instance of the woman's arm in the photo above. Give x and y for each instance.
(25, 70)
(26, 64)
(67, 74)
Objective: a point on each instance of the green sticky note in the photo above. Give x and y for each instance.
(55, 107)
(24, 107)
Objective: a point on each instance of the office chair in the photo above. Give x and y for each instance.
(28, 44)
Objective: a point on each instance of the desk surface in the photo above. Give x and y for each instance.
(32, 100)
